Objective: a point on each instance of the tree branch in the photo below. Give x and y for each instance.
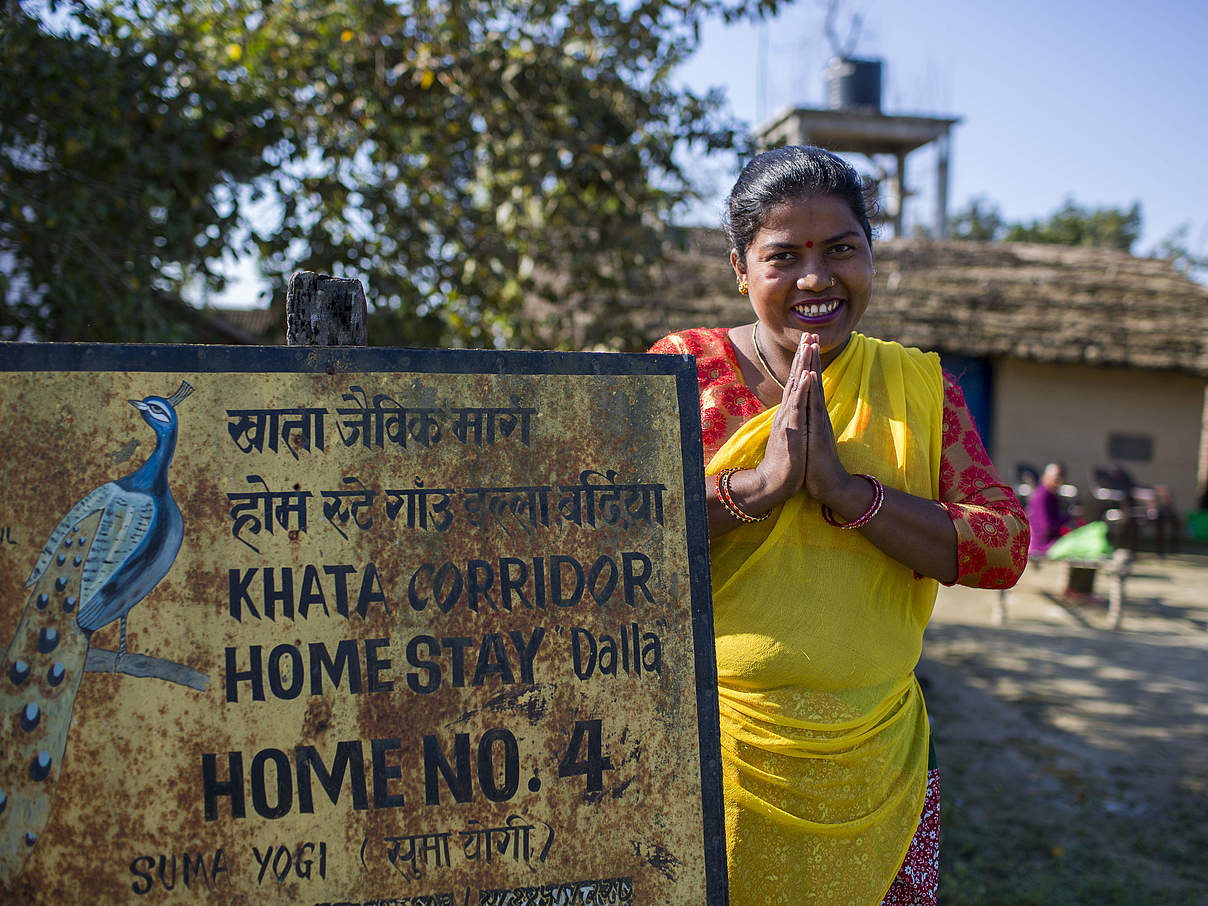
(102, 660)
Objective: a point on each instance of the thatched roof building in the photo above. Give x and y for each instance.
(1039, 302)
(1085, 356)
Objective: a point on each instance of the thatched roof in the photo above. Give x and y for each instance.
(1034, 301)
(252, 325)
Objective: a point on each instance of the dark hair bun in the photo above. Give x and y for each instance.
(788, 173)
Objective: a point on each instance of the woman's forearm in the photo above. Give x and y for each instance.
(915, 531)
(912, 530)
(749, 492)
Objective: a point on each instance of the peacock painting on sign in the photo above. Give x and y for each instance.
(104, 557)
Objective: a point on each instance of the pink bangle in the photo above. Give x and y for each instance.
(723, 494)
(878, 497)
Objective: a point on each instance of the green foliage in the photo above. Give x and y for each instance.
(1072, 224)
(1176, 248)
(116, 154)
(459, 159)
(981, 221)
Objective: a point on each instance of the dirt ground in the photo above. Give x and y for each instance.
(1074, 758)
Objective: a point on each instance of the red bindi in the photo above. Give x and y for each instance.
(809, 245)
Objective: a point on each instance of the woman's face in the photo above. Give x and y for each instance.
(809, 270)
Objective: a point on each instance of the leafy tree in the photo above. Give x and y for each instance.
(112, 166)
(459, 158)
(1072, 224)
(1176, 248)
(981, 220)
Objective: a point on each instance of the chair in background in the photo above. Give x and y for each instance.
(1121, 503)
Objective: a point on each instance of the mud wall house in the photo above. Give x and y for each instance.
(1084, 356)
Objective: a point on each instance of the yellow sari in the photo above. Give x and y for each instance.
(824, 731)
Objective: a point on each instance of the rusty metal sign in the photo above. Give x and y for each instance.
(354, 626)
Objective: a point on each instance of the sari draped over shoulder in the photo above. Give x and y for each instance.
(824, 730)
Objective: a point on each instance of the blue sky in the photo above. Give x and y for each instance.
(1103, 101)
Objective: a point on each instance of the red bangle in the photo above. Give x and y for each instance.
(878, 497)
(723, 494)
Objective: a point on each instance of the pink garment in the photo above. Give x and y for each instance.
(1046, 518)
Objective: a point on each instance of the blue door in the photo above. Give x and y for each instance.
(975, 375)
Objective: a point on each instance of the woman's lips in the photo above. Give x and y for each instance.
(816, 312)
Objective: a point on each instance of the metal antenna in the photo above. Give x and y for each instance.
(761, 74)
(840, 48)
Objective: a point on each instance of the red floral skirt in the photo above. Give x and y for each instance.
(918, 880)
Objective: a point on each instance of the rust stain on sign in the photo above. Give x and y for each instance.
(348, 638)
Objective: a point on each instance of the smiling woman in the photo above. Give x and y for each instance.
(799, 284)
(846, 478)
(803, 254)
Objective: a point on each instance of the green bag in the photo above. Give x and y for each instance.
(1197, 523)
(1087, 542)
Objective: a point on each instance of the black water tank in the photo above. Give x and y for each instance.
(853, 84)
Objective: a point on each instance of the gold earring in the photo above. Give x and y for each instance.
(742, 285)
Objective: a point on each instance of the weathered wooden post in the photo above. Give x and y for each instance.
(325, 311)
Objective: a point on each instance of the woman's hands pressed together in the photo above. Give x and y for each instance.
(825, 478)
(802, 455)
(801, 452)
(781, 474)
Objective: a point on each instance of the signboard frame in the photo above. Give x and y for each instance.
(184, 359)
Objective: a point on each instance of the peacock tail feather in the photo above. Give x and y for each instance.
(41, 676)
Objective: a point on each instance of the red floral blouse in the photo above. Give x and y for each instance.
(991, 528)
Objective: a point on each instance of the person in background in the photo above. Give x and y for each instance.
(845, 481)
(1046, 514)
